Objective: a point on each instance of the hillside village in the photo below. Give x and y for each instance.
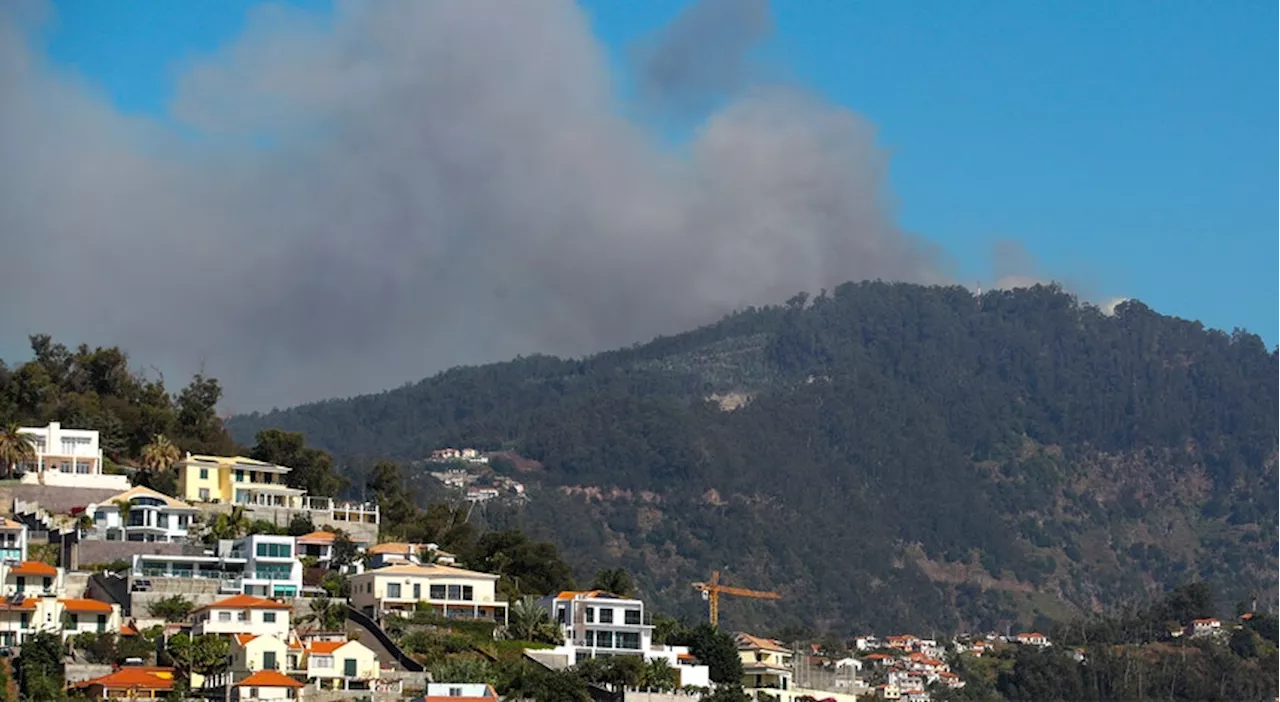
(238, 586)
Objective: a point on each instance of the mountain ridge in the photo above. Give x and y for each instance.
(896, 455)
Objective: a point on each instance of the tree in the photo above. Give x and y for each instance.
(229, 525)
(173, 609)
(325, 615)
(311, 469)
(658, 675)
(160, 454)
(15, 448)
(198, 426)
(714, 648)
(394, 503)
(301, 525)
(126, 508)
(40, 666)
(343, 552)
(529, 621)
(205, 654)
(465, 670)
(616, 581)
(535, 565)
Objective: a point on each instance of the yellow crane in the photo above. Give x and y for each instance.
(712, 590)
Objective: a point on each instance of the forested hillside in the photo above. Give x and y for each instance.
(886, 456)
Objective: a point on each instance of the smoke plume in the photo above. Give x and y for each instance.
(344, 205)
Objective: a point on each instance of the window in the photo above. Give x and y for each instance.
(455, 592)
(239, 476)
(393, 589)
(349, 667)
(275, 550)
(560, 615)
(253, 693)
(631, 616)
(325, 662)
(224, 616)
(204, 473)
(75, 620)
(269, 617)
(437, 592)
(25, 621)
(204, 494)
(591, 615)
(455, 692)
(269, 660)
(47, 583)
(82, 467)
(629, 639)
(242, 616)
(606, 615)
(591, 638)
(468, 593)
(417, 591)
(604, 639)
(102, 622)
(22, 583)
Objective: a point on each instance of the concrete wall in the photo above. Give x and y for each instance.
(646, 696)
(281, 516)
(106, 481)
(54, 499)
(93, 552)
(199, 592)
(79, 672)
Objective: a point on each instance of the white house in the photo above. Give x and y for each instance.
(266, 685)
(13, 541)
(450, 592)
(67, 458)
(340, 664)
(1032, 638)
(243, 614)
(1204, 627)
(152, 516)
(597, 623)
(264, 565)
(472, 692)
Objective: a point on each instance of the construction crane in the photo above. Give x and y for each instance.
(712, 590)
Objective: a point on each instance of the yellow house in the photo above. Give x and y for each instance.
(766, 666)
(236, 480)
(451, 592)
(339, 665)
(253, 652)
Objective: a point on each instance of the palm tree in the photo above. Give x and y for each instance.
(529, 621)
(15, 448)
(160, 454)
(326, 614)
(125, 507)
(229, 526)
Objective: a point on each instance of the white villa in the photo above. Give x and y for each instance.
(67, 458)
(243, 614)
(451, 592)
(152, 516)
(263, 565)
(319, 545)
(597, 623)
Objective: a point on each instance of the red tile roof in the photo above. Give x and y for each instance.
(245, 602)
(135, 678)
(269, 678)
(323, 647)
(34, 568)
(83, 605)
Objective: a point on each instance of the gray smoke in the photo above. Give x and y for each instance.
(410, 186)
(702, 55)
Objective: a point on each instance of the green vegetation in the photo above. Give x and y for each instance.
(174, 608)
(111, 648)
(897, 457)
(40, 667)
(1131, 656)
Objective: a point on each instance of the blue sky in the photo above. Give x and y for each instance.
(1126, 145)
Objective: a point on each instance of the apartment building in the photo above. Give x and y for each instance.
(598, 623)
(263, 565)
(451, 592)
(67, 457)
(243, 614)
(13, 541)
(238, 480)
(149, 516)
